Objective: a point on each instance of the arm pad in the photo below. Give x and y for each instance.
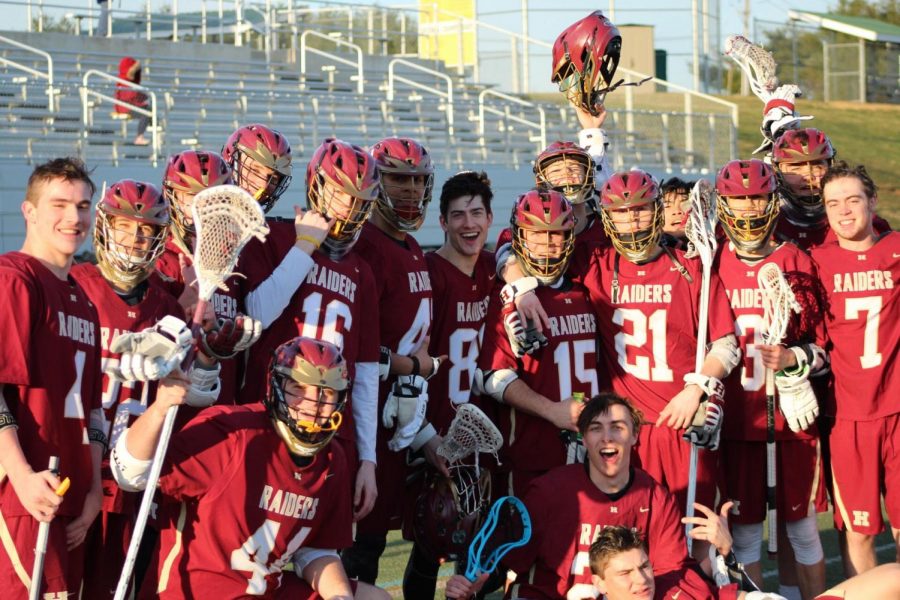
(304, 556)
(727, 351)
(812, 355)
(493, 383)
(129, 472)
(365, 409)
(205, 386)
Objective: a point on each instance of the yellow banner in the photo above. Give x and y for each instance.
(447, 31)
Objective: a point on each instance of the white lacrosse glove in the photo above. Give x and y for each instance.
(704, 431)
(153, 353)
(522, 341)
(797, 400)
(405, 408)
(780, 114)
(230, 336)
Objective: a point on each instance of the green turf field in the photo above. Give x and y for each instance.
(394, 561)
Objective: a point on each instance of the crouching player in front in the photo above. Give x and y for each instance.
(254, 487)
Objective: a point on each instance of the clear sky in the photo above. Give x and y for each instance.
(671, 20)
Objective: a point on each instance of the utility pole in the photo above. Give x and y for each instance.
(526, 73)
(745, 83)
(612, 10)
(695, 15)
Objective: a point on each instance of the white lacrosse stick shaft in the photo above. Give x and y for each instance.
(40, 547)
(701, 232)
(250, 222)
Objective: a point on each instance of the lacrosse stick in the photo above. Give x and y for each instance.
(470, 432)
(778, 302)
(701, 234)
(225, 219)
(756, 62)
(507, 526)
(43, 536)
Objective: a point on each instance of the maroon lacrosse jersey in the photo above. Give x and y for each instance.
(122, 402)
(649, 327)
(50, 372)
(808, 238)
(241, 507)
(567, 512)
(460, 305)
(226, 304)
(335, 303)
(862, 319)
(745, 388)
(565, 366)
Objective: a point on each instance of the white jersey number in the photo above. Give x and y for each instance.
(463, 357)
(871, 357)
(334, 310)
(750, 329)
(415, 335)
(576, 359)
(640, 324)
(126, 409)
(254, 555)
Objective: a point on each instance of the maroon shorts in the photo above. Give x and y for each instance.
(62, 568)
(107, 545)
(663, 453)
(865, 459)
(293, 587)
(799, 472)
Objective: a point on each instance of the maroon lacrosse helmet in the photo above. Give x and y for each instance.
(751, 229)
(261, 160)
(576, 190)
(342, 183)
(632, 190)
(537, 217)
(408, 158)
(807, 150)
(187, 174)
(585, 58)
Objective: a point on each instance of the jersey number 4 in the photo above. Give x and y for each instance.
(254, 555)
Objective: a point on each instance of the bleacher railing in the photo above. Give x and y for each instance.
(45, 75)
(87, 106)
(304, 48)
(540, 125)
(394, 79)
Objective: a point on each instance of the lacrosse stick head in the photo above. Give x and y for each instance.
(507, 526)
(757, 62)
(543, 233)
(746, 203)
(449, 511)
(585, 58)
(407, 182)
(801, 157)
(187, 174)
(471, 431)
(307, 390)
(567, 168)
(700, 223)
(632, 213)
(261, 160)
(778, 302)
(226, 217)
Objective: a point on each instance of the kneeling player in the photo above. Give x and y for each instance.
(254, 487)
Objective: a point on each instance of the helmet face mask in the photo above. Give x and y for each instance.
(130, 230)
(343, 184)
(407, 177)
(543, 234)
(307, 392)
(633, 214)
(568, 169)
(746, 203)
(261, 160)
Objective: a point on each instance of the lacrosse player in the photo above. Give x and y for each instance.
(404, 319)
(536, 391)
(253, 487)
(130, 230)
(646, 300)
(801, 157)
(676, 194)
(571, 504)
(748, 209)
(462, 280)
(328, 298)
(50, 393)
(861, 279)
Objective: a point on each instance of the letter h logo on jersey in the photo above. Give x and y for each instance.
(860, 518)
